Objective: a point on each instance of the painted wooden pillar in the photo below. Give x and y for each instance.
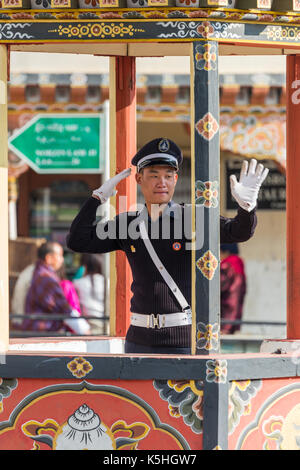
(4, 268)
(205, 161)
(293, 196)
(215, 405)
(122, 149)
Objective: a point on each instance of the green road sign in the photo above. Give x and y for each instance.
(62, 143)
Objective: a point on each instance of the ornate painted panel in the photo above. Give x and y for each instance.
(264, 414)
(175, 27)
(44, 414)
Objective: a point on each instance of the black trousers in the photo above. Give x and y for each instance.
(142, 349)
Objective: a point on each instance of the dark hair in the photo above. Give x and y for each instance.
(92, 264)
(231, 247)
(61, 273)
(45, 249)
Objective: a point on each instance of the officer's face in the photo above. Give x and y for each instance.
(157, 183)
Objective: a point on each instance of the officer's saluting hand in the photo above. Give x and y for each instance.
(107, 189)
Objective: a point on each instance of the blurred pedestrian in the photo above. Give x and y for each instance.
(20, 292)
(233, 286)
(46, 297)
(91, 291)
(68, 288)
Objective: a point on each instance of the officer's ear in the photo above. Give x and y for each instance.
(138, 177)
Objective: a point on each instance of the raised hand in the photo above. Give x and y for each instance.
(108, 188)
(245, 191)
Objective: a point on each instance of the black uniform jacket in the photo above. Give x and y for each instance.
(150, 292)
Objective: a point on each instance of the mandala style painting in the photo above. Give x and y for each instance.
(38, 414)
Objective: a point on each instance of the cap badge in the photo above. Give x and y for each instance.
(164, 145)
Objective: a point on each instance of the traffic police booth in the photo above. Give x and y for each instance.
(62, 393)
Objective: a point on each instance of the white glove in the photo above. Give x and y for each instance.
(79, 326)
(108, 188)
(245, 191)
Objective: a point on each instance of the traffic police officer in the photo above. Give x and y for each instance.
(160, 323)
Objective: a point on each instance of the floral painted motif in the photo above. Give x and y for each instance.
(206, 57)
(97, 30)
(205, 29)
(207, 264)
(272, 428)
(216, 371)
(174, 411)
(42, 3)
(187, 3)
(11, 3)
(207, 193)
(207, 336)
(21, 16)
(137, 3)
(6, 388)
(241, 394)
(79, 367)
(276, 424)
(264, 3)
(89, 4)
(185, 399)
(207, 127)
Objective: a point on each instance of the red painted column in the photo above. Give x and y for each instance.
(293, 196)
(125, 149)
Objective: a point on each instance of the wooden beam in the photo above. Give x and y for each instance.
(148, 49)
(215, 415)
(4, 268)
(158, 49)
(122, 149)
(104, 49)
(293, 196)
(239, 49)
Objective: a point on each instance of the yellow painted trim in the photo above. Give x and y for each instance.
(3, 107)
(112, 201)
(142, 20)
(149, 11)
(209, 10)
(4, 266)
(193, 254)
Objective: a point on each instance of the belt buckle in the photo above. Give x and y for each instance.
(154, 321)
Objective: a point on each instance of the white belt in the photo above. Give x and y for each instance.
(161, 321)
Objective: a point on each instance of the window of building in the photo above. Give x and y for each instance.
(93, 94)
(32, 93)
(62, 93)
(153, 94)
